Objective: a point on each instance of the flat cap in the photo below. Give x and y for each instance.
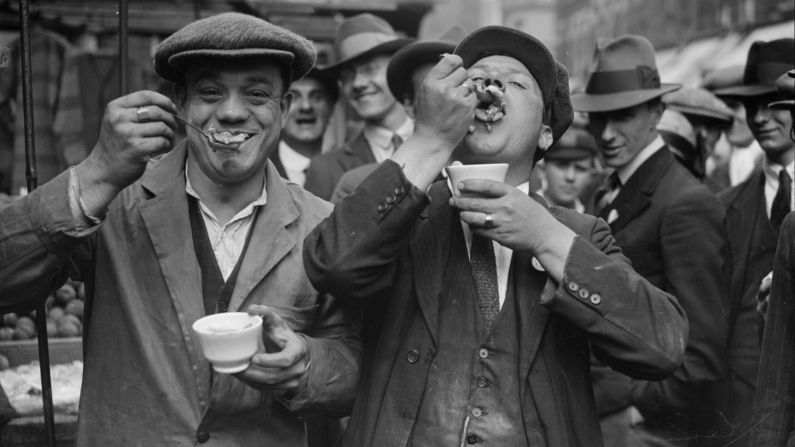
(575, 144)
(551, 76)
(233, 35)
(699, 102)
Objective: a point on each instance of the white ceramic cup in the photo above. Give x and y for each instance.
(490, 171)
(228, 340)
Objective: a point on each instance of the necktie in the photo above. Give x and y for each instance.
(484, 272)
(781, 203)
(396, 142)
(605, 195)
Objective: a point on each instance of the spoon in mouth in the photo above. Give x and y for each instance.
(216, 144)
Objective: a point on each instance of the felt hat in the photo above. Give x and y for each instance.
(575, 144)
(233, 35)
(785, 85)
(551, 76)
(327, 80)
(699, 102)
(623, 74)
(722, 78)
(364, 35)
(766, 61)
(677, 131)
(416, 54)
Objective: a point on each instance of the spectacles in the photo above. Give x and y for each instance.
(368, 69)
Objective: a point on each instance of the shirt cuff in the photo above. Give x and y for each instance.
(83, 219)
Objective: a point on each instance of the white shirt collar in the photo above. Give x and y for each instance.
(245, 212)
(380, 138)
(625, 172)
(295, 164)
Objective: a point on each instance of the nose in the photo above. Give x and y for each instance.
(304, 103)
(608, 131)
(232, 110)
(761, 114)
(359, 81)
(569, 173)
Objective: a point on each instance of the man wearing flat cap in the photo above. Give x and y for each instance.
(755, 210)
(364, 45)
(164, 234)
(671, 228)
(404, 74)
(567, 171)
(774, 412)
(481, 307)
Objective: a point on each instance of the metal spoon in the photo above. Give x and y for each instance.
(209, 136)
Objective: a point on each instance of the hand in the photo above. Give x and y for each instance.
(763, 295)
(445, 103)
(280, 368)
(513, 219)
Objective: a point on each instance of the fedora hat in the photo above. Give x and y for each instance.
(551, 76)
(416, 54)
(786, 89)
(766, 61)
(623, 74)
(364, 35)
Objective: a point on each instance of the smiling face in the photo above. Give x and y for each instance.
(770, 128)
(309, 113)
(363, 83)
(515, 137)
(238, 95)
(622, 134)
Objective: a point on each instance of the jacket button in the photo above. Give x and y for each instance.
(483, 353)
(584, 293)
(390, 200)
(573, 286)
(381, 207)
(472, 439)
(399, 191)
(413, 356)
(202, 436)
(476, 412)
(482, 382)
(596, 298)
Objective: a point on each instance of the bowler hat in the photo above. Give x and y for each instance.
(233, 35)
(551, 76)
(364, 35)
(575, 144)
(623, 74)
(699, 102)
(786, 89)
(416, 54)
(766, 61)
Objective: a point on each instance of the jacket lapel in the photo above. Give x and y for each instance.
(634, 197)
(429, 251)
(270, 238)
(359, 152)
(165, 217)
(745, 222)
(533, 317)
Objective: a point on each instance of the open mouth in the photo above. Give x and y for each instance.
(306, 121)
(491, 101)
(227, 140)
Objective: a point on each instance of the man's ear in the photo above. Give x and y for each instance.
(408, 106)
(285, 103)
(656, 108)
(545, 138)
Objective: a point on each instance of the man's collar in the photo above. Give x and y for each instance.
(381, 137)
(771, 170)
(261, 200)
(625, 172)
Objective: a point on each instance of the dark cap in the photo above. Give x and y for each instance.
(766, 62)
(551, 76)
(327, 80)
(575, 144)
(416, 54)
(785, 85)
(233, 35)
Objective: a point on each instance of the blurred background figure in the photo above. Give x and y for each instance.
(678, 134)
(737, 154)
(567, 171)
(710, 117)
(302, 137)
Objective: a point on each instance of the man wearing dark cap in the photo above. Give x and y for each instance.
(164, 234)
(774, 412)
(404, 74)
(755, 210)
(364, 45)
(567, 171)
(481, 307)
(671, 228)
(302, 138)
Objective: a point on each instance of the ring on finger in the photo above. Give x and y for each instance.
(488, 221)
(142, 113)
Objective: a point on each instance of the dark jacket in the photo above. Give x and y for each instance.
(753, 245)
(774, 401)
(386, 246)
(672, 229)
(326, 169)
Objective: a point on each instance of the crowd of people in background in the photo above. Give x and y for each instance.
(614, 290)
